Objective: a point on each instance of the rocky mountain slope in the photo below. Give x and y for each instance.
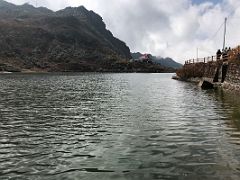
(73, 39)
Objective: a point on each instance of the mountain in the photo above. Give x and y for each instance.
(166, 62)
(72, 39)
(136, 55)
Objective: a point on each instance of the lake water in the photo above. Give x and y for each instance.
(92, 126)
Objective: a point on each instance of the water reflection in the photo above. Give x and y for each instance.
(115, 126)
(230, 104)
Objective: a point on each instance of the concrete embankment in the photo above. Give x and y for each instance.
(232, 80)
(212, 74)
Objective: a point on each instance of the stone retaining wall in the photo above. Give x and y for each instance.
(198, 70)
(232, 81)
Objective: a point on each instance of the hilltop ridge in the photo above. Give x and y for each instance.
(165, 62)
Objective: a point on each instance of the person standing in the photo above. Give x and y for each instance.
(219, 53)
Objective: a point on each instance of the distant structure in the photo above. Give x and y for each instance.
(146, 58)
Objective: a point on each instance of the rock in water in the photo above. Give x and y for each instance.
(206, 85)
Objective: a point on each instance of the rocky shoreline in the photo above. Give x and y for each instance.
(117, 67)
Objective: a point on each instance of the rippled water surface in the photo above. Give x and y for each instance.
(116, 126)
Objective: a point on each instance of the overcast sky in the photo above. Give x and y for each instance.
(173, 28)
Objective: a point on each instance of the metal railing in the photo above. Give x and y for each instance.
(223, 57)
